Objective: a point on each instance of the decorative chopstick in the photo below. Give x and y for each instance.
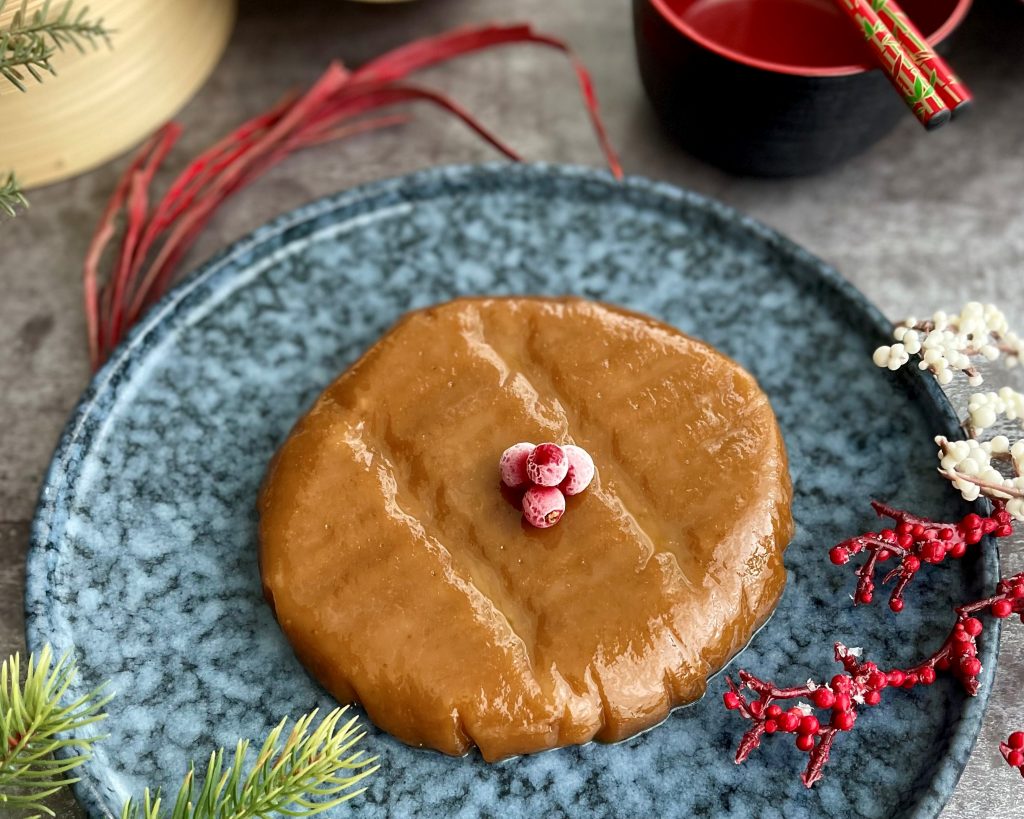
(899, 66)
(954, 93)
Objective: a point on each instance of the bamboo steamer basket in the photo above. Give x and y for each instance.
(104, 101)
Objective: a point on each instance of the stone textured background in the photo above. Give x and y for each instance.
(919, 222)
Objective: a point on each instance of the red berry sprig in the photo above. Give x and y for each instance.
(915, 541)
(1013, 751)
(863, 684)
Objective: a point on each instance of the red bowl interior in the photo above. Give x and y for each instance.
(806, 37)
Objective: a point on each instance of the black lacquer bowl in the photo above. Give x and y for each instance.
(772, 94)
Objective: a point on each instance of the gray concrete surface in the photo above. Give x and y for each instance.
(921, 221)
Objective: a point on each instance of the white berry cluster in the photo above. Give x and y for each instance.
(947, 343)
(968, 464)
(984, 408)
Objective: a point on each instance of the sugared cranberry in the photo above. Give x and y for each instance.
(838, 555)
(972, 625)
(840, 682)
(731, 699)
(824, 698)
(543, 506)
(927, 676)
(755, 707)
(877, 680)
(896, 678)
(547, 465)
(841, 702)
(1016, 740)
(773, 711)
(512, 465)
(770, 726)
(896, 604)
(1015, 758)
(872, 698)
(581, 470)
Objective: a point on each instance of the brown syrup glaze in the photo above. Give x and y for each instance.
(405, 580)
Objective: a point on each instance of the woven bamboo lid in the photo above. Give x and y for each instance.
(100, 103)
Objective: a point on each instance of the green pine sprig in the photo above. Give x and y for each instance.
(31, 40)
(310, 773)
(11, 196)
(34, 724)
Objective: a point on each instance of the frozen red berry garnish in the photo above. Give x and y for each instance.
(543, 506)
(581, 470)
(547, 465)
(513, 465)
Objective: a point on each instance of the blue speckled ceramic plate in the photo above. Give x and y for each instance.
(144, 548)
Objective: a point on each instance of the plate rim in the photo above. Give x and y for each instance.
(147, 334)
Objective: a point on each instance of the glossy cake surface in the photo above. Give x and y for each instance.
(405, 580)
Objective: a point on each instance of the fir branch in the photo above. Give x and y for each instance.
(308, 774)
(34, 724)
(11, 196)
(30, 42)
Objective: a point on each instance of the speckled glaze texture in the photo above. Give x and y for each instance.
(144, 547)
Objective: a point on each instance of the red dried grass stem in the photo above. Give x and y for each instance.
(156, 238)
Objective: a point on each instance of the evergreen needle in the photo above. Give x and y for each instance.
(310, 772)
(11, 196)
(35, 723)
(31, 40)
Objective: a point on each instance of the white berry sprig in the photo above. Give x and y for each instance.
(950, 343)
(969, 466)
(985, 408)
(947, 344)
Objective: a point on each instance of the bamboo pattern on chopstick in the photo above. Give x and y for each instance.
(915, 88)
(937, 71)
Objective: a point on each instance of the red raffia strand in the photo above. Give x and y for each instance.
(915, 541)
(158, 233)
(862, 685)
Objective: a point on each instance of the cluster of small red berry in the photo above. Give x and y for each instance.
(915, 541)
(1013, 751)
(863, 684)
(548, 473)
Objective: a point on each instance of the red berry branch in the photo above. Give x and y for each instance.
(914, 541)
(1013, 751)
(863, 684)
